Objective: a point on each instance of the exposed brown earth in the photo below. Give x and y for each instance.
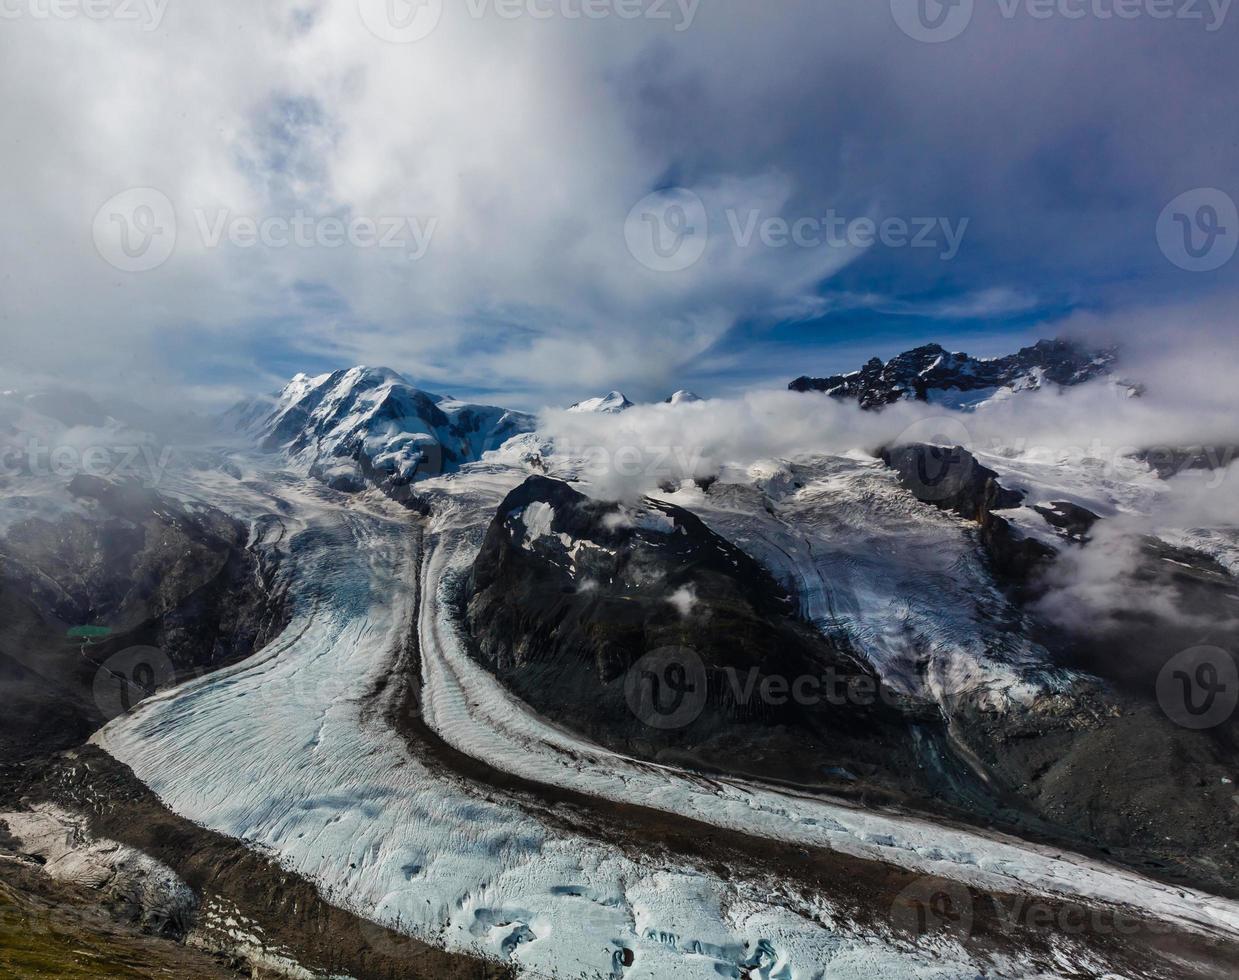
(284, 909)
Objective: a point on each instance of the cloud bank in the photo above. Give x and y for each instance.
(525, 141)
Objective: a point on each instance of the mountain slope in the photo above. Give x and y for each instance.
(568, 595)
(611, 403)
(370, 426)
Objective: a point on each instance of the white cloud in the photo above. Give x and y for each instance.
(529, 140)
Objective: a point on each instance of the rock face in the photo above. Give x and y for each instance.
(1170, 461)
(132, 571)
(645, 631)
(370, 427)
(951, 479)
(931, 373)
(1072, 521)
(682, 647)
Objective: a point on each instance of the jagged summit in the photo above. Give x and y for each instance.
(610, 404)
(932, 373)
(369, 425)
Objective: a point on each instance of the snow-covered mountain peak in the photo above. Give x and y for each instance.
(682, 397)
(932, 373)
(610, 404)
(364, 425)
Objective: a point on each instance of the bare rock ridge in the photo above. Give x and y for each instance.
(580, 606)
(138, 569)
(932, 373)
(951, 478)
(568, 594)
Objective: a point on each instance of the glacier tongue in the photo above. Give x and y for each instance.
(289, 752)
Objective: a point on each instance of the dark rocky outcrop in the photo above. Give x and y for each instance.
(917, 373)
(132, 569)
(569, 597)
(1170, 461)
(951, 479)
(1071, 520)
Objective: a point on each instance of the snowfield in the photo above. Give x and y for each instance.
(896, 580)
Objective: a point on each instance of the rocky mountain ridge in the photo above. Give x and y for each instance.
(934, 374)
(370, 426)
